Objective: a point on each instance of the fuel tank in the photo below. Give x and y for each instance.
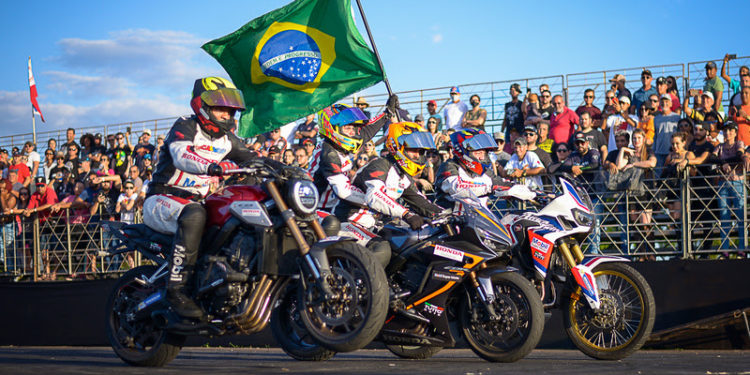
(218, 204)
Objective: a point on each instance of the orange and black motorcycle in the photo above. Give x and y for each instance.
(438, 276)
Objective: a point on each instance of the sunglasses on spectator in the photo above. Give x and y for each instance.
(128, 188)
(610, 97)
(588, 96)
(545, 96)
(362, 158)
(48, 154)
(562, 150)
(23, 193)
(120, 138)
(654, 100)
(529, 134)
(432, 122)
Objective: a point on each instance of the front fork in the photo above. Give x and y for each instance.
(583, 275)
(314, 263)
(483, 287)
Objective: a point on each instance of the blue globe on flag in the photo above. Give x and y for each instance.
(292, 56)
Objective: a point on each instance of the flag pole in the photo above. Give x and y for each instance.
(374, 48)
(33, 125)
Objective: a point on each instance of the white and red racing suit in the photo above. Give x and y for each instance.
(451, 178)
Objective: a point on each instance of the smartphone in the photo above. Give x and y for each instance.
(732, 56)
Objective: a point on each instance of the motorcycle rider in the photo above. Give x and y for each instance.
(344, 130)
(385, 180)
(468, 169)
(195, 149)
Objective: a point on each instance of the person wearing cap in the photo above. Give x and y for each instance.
(563, 121)
(621, 120)
(433, 113)
(308, 129)
(41, 200)
(455, 110)
(731, 186)
(24, 174)
(513, 117)
(500, 157)
(143, 148)
(419, 120)
(662, 87)
(618, 85)
(98, 145)
(362, 104)
(641, 95)
(524, 167)
(531, 135)
(33, 159)
(740, 114)
(714, 86)
(596, 139)
(274, 153)
(665, 124)
(588, 107)
(734, 85)
(704, 105)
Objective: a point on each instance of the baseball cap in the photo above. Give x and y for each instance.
(455, 89)
(646, 72)
(709, 94)
(432, 102)
(98, 135)
(521, 141)
(625, 99)
(710, 65)
(580, 137)
(17, 153)
(661, 81)
(418, 118)
(730, 125)
(617, 77)
(499, 136)
(516, 87)
(39, 180)
(3, 151)
(146, 131)
(273, 150)
(665, 96)
(530, 127)
(308, 141)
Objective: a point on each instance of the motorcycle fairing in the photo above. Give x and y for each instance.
(541, 250)
(593, 261)
(584, 277)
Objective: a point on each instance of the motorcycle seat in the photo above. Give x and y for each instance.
(143, 231)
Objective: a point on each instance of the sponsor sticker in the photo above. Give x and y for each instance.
(432, 309)
(445, 276)
(448, 253)
(250, 212)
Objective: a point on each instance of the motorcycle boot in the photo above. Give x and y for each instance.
(182, 262)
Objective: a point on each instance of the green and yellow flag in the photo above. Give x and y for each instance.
(295, 61)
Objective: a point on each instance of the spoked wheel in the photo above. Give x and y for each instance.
(519, 324)
(291, 334)
(355, 314)
(138, 341)
(624, 320)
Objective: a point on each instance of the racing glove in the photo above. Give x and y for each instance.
(415, 221)
(219, 169)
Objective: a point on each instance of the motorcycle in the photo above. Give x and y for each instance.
(258, 240)
(439, 277)
(608, 307)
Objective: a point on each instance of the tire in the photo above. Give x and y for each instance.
(353, 319)
(413, 352)
(291, 334)
(520, 328)
(138, 343)
(630, 327)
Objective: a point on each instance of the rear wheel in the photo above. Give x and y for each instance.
(353, 318)
(624, 320)
(519, 324)
(291, 334)
(413, 352)
(138, 341)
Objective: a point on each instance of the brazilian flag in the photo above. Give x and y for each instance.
(295, 61)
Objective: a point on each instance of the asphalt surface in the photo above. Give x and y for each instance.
(214, 361)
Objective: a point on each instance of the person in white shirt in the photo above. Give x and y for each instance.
(620, 121)
(33, 159)
(455, 110)
(524, 167)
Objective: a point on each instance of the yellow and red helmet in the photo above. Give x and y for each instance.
(404, 136)
(215, 92)
(332, 118)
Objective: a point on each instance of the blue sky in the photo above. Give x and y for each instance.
(100, 62)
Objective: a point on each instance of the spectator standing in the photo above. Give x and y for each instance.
(126, 202)
(362, 104)
(524, 167)
(369, 149)
(275, 140)
(48, 164)
(594, 137)
(500, 157)
(514, 117)
(531, 110)
(665, 125)
(98, 145)
(302, 158)
(159, 143)
(22, 170)
(544, 142)
(4, 162)
(546, 110)
(662, 88)
(734, 86)
(72, 162)
(41, 203)
(87, 142)
(562, 152)
(143, 148)
(121, 155)
(455, 110)
(419, 120)
(134, 175)
(70, 135)
(645, 91)
(52, 144)
(584, 163)
(57, 173)
(671, 172)
(741, 115)
(7, 203)
(274, 153)
(704, 106)
(530, 135)
(588, 107)
(618, 86)
(714, 86)
(476, 116)
(288, 157)
(308, 129)
(731, 188)
(432, 110)
(563, 122)
(646, 121)
(621, 121)
(33, 159)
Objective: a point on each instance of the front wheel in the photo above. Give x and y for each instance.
(138, 341)
(624, 320)
(353, 317)
(290, 332)
(517, 327)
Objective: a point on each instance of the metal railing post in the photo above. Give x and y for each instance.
(35, 249)
(70, 243)
(744, 212)
(687, 241)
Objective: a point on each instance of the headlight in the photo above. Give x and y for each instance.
(303, 197)
(490, 241)
(583, 218)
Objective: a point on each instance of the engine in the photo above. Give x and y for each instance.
(222, 276)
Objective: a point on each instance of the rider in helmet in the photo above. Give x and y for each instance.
(469, 168)
(385, 180)
(344, 130)
(195, 149)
